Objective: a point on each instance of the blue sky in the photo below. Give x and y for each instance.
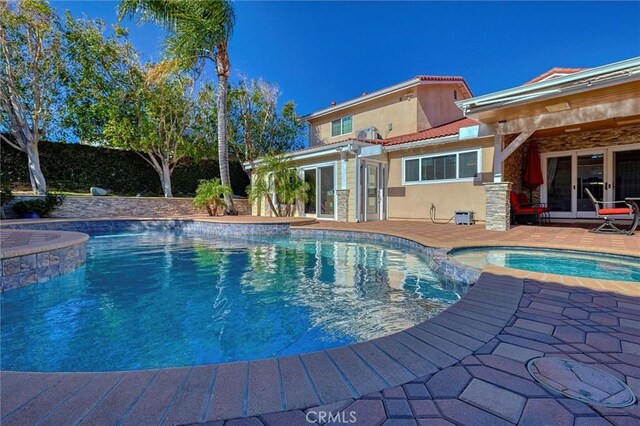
(318, 52)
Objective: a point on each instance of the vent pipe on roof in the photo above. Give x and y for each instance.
(333, 103)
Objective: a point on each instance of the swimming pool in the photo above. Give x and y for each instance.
(166, 299)
(562, 262)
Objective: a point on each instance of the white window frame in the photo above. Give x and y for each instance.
(478, 152)
(342, 132)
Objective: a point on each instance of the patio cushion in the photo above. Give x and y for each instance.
(619, 210)
(522, 198)
(514, 199)
(531, 210)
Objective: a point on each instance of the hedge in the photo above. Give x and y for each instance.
(75, 167)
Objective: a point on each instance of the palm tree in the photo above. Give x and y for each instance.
(210, 195)
(276, 178)
(198, 31)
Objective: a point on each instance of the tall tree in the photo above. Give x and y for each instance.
(30, 78)
(257, 126)
(160, 130)
(113, 100)
(198, 31)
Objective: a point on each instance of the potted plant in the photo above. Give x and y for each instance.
(210, 195)
(34, 209)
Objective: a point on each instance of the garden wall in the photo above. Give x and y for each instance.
(113, 206)
(75, 167)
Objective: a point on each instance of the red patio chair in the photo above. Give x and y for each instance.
(520, 207)
(605, 213)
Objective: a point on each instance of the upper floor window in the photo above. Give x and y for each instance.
(342, 126)
(463, 165)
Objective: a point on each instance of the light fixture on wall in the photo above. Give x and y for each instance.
(572, 130)
(562, 106)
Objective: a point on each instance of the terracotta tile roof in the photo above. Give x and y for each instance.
(555, 70)
(439, 78)
(448, 129)
(445, 78)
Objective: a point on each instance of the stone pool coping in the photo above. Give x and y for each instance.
(50, 240)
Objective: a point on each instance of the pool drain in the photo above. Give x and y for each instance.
(581, 381)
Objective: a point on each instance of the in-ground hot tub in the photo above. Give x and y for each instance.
(552, 261)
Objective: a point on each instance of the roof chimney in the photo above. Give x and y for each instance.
(333, 103)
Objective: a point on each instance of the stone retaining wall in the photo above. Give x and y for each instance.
(113, 206)
(21, 271)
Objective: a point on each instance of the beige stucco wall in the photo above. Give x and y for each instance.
(436, 105)
(379, 112)
(447, 197)
(430, 105)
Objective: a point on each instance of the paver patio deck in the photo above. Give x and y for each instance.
(465, 366)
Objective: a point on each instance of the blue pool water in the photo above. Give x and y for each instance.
(164, 299)
(562, 262)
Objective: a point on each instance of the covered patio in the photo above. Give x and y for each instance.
(586, 127)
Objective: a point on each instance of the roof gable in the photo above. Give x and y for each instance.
(418, 80)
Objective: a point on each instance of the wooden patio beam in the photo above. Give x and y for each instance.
(517, 143)
(573, 117)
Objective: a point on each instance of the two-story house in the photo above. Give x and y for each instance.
(426, 148)
(376, 156)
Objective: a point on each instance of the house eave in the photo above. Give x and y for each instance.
(629, 71)
(421, 143)
(318, 151)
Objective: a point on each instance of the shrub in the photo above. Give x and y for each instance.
(76, 168)
(6, 195)
(209, 194)
(42, 207)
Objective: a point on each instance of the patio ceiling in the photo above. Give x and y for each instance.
(591, 126)
(606, 95)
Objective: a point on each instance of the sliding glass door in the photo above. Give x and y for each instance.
(310, 205)
(321, 181)
(559, 186)
(590, 175)
(626, 169)
(326, 190)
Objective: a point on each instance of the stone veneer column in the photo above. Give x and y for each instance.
(343, 205)
(498, 209)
